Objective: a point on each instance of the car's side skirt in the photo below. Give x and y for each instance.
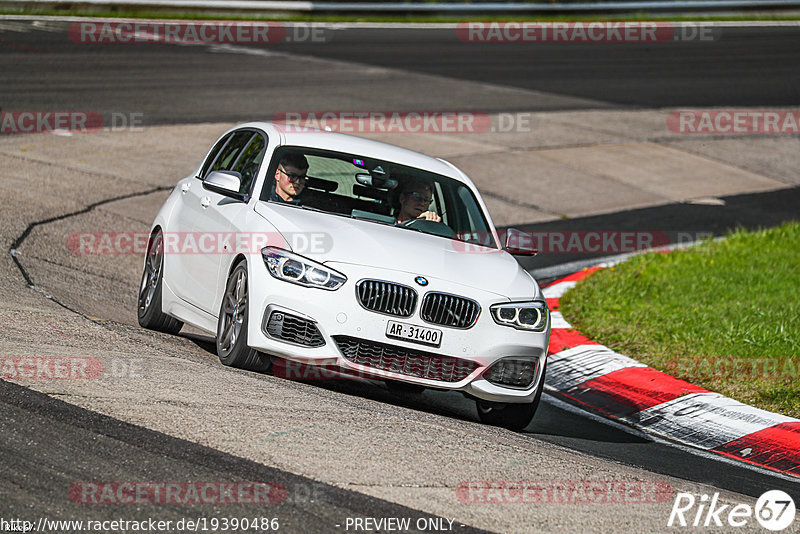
(180, 309)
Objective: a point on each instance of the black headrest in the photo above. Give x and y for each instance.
(370, 192)
(321, 184)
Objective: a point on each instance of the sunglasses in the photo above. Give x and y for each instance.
(292, 176)
(416, 195)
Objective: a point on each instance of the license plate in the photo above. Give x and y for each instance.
(417, 334)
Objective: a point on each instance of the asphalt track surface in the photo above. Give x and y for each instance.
(53, 444)
(734, 67)
(42, 69)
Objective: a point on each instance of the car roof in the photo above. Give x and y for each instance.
(339, 142)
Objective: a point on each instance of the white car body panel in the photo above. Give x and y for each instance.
(193, 284)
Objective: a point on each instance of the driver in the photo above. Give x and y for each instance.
(290, 178)
(415, 198)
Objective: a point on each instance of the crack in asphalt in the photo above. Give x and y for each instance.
(14, 248)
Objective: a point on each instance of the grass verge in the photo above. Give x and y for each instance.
(724, 315)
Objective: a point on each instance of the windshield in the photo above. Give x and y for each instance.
(378, 191)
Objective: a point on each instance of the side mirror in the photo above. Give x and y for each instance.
(226, 183)
(519, 243)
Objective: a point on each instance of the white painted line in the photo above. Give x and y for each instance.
(705, 420)
(476, 8)
(392, 25)
(556, 291)
(557, 321)
(552, 397)
(233, 49)
(569, 368)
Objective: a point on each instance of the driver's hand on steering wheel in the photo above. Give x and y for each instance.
(429, 216)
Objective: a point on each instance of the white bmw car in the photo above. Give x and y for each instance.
(324, 249)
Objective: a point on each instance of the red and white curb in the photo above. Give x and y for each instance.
(618, 387)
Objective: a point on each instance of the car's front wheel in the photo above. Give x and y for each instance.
(511, 416)
(232, 347)
(149, 309)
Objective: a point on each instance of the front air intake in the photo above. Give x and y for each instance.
(386, 297)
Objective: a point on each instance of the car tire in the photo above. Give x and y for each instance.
(231, 337)
(149, 302)
(507, 415)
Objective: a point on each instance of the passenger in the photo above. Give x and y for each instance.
(415, 199)
(290, 179)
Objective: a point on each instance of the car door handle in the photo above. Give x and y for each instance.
(185, 188)
(205, 202)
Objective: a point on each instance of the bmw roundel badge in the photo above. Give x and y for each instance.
(421, 280)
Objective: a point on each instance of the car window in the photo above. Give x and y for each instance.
(335, 170)
(249, 161)
(366, 188)
(230, 152)
(213, 154)
(469, 219)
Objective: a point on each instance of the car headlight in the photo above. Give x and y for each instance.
(296, 269)
(522, 315)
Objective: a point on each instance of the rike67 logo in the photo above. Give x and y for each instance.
(774, 510)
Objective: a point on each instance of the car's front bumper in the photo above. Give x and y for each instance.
(338, 314)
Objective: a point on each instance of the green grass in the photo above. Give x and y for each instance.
(724, 315)
(149, 13)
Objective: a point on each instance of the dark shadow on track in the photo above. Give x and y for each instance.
(659, 457)
(57, 445)
(554, 423)
(203, 341)
(680, 222)
(580, 432)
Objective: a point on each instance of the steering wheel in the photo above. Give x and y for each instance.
(429, 227)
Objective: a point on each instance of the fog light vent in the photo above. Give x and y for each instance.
(293, 329)
(512, 373)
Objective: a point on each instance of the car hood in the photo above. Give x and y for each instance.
(338, 239)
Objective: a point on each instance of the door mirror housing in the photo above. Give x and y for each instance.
(226, 183)
(519, 243)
